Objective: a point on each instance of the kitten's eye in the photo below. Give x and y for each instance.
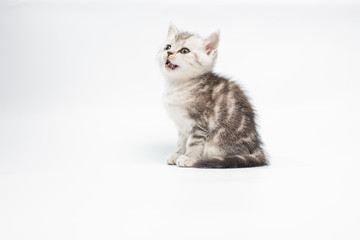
(184, 51)
(167, 47)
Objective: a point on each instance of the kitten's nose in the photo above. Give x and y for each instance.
(169, 53)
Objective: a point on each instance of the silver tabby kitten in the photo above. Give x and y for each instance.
(214, 118)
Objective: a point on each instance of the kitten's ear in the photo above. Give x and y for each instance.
(212, 42)
(172, 30)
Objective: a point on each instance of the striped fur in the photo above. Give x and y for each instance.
(215, 120)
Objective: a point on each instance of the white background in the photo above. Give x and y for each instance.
(84, 137)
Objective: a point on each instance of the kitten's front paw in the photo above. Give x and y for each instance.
(184, 161)
(171, 160)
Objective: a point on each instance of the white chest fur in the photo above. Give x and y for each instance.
(175, 103)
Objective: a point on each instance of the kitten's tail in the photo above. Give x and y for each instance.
(237, 161)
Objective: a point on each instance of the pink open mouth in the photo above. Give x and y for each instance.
(170, 66)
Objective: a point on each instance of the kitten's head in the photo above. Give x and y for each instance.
(187, 55)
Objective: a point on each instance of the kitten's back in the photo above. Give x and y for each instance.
(223, 111)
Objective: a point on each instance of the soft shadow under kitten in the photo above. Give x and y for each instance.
(215, 120)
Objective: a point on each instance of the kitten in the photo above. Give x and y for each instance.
(214, 118)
